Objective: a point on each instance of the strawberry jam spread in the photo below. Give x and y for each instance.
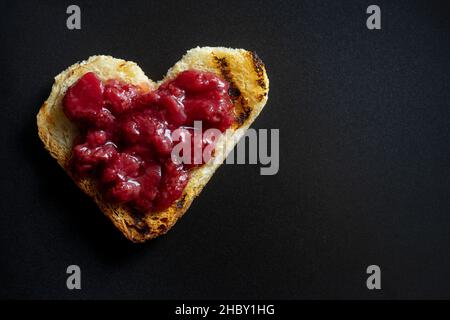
(125, 139)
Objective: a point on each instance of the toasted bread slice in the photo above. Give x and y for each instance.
(249, 88)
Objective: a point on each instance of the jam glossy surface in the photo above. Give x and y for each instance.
(126, 135)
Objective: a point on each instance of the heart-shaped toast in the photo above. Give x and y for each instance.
(248, 87)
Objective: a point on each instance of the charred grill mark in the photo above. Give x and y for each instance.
(245, 111)
(242, 108)
(234, 92)
(244, 115)
(261, 83)
(258, 65)
(224, 67)
(262, 96)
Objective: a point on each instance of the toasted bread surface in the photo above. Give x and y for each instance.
(249, 86)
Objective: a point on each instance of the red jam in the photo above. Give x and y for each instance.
(126, 135)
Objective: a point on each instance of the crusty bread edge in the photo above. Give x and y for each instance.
(250, 85)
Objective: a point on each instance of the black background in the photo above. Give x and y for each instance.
(364, 174)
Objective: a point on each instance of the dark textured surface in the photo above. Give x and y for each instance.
(364, 166)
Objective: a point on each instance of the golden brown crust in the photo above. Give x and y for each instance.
(249, 90)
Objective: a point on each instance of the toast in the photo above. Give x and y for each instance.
(249, 87)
